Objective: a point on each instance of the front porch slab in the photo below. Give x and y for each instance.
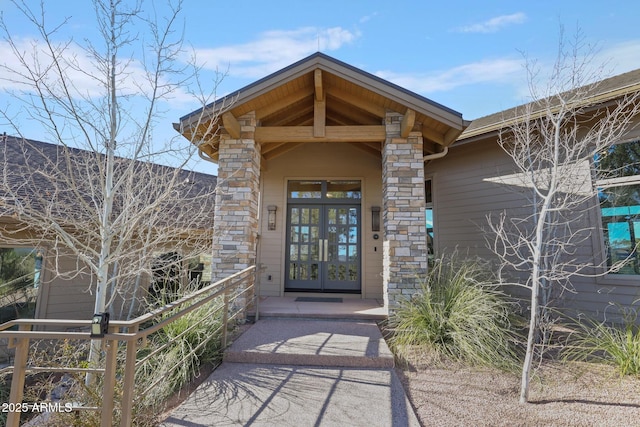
(357, 344)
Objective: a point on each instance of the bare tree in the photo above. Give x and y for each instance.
(553, 141)
(108, 205)
(53, 194)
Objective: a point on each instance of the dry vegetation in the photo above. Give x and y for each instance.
(572, 394)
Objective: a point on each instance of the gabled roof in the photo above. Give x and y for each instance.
(351, 97)
(40, 154)
(601, 92)
(40, 175)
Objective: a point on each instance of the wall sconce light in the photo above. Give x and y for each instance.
(375, 218)
(99, 325)
(271, 219)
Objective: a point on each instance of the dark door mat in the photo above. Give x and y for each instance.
(317, 299)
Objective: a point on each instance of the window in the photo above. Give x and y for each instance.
(619, 194)
(305, 189)
(334, 190)
(20, 277)
(429, 218)
(343, 190)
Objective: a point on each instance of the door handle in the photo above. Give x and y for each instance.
(326, 250)
(323, 250)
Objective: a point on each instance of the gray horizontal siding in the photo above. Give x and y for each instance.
(467, 188)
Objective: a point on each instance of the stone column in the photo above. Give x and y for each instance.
(405, 244)
(236, 210)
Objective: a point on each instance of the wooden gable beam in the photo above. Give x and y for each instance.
(317, 82)
(319, 107)
(376, 110)
(283, 102)
(338, 120)
(269, 134)
(319, 118)
(343, 113)
(408, 121)
(231, 124)
(292, 118)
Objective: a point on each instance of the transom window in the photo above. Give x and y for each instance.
(619, 194)
(333, 190)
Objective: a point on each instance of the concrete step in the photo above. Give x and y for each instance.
(300, 307)
(312, 342)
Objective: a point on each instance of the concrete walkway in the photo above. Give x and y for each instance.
(301, 372)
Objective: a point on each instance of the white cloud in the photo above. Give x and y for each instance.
(83, 76)
(593, 64)
(274, 50)
(487, 71)
(367, 18)
(494, 24)
(85, 82)
(622, 57)
(80, 72)
(617, 59)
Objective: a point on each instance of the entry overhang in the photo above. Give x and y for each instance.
(280, 134)
(320, 99)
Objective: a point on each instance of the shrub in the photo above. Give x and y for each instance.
(618, 345)
(460, 315)
(170, 358)
(186, 344)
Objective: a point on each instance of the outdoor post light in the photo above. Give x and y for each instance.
(271, 219)
(99, 325)
(375, 218)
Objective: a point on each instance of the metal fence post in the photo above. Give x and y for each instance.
(225, 318)
(128, 392)
(256, 290)
(108, 390)
(19, 372)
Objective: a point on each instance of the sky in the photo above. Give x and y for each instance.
(469, 56)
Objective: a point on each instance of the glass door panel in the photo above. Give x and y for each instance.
(342, 266)
(303, 250)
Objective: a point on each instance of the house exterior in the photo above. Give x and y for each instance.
(339, 182)
(32, 180)
(470, 183)
(325, 164)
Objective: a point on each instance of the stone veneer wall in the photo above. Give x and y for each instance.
(236, 209)
(405, 245)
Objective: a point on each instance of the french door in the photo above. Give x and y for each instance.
(323, 247)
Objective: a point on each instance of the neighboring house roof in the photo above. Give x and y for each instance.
(348, 97)
(600, 92)
(43, 161)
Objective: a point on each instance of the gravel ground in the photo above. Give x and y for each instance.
(576, 394)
